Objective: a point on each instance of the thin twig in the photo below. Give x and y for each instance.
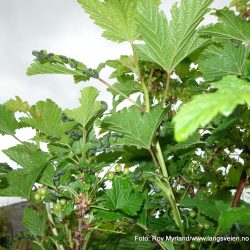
(157, 241)
(22, 143)
(239, 190)
(118, 91)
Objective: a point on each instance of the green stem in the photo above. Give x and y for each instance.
(215, 235)
(154, 158)
(167, 189)
(106, 230)
(118, 91)
(101, 208)
(87, 237)
(140, 79)
(165, 94)
(84, 139)
(157, 241)
(37, 140)
(146, 97)
(161, 160)
(39, 244)
(95, 189)
(69, 234)
(53, 227)
(28, 149)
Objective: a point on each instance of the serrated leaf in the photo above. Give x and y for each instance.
(124, 64)
(108, 216)
(90, 108)
(34, 221)
(234, 215)
(19, 183)
(206, 206)
(216, 62)
(21, 154)
(58, 64)
(167, 44)
(203, 108)
(190, 144)
(17, 105)
(122, 197)
(37, 68)
(116, 17)
(47, 176)
(230, 27)
(126, 85)
(138, 128)
(5, 168)
(12, 184)
(8, 122)
(247, 70)
(47, 117)
(129, 242)
(169, 245)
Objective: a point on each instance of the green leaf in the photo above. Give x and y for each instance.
(216, 62)
(247, 70)
(125, 84)
(17, 105)
(128, 242)
(124, 64)
(233, 175)
(5, 168)
(167, 44)
(203, 108)
(37, 68)
(190, 144)
(34, 221)
(116, 17)
(19, 183)
(234, 215)
(108, 216)
(169, 245)
(206, 206)
(122, 197)
(21, 154)
(90, 108)
(47, 176)
(47, 117)
(230, 27)
(138, 128)
(49, 63)
(8, 122)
